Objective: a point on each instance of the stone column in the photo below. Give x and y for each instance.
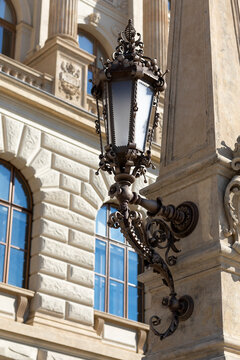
(155, 30)
(200, 127)
(63, 19)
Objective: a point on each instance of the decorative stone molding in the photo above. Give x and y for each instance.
(23, 297)
(232, 200)
(102, 319)
(25, 74)
(69, 80)
(93, 19)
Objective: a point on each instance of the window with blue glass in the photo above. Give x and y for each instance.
(91, 45)
(15, 223)
(7, 28)
(117, 290)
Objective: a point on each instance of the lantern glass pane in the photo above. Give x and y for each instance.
(121, 104)
(144, 103)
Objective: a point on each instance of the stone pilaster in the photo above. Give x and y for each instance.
(63, 19)
(155, 30)
(200, 127)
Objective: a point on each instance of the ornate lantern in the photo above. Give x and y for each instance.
(129, 87)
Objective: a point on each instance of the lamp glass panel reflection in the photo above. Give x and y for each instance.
(121, 105)
(144, 103)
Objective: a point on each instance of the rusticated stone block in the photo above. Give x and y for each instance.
(12, 131)
(64, 216)
(46, 265)
(81, 206)
(82, 240)
(99, 184)
(41, 161)
(30, 143)
(79, 313)
(55, 197)
(50, 179)
(70, 184)
(89, 194)
(50, 229)
(109, 179)
(70, 167)
(71, 151)
(63, 252)
(80, 276)
(48, 304)
(61, 288)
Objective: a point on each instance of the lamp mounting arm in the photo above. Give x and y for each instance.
(183, 218)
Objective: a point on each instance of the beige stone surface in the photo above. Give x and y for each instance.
(195, 166)
(81, 206)
(62, 251)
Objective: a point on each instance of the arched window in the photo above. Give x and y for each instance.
(15, 224)
(117, 290)
(88, 43)
(7, 28)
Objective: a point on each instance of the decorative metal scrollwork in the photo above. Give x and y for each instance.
(144, 239)
(159, 235)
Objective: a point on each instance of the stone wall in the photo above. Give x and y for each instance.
(67, 194)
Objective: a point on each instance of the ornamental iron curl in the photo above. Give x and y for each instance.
(144, 238)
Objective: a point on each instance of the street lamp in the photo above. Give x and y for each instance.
(129, 88)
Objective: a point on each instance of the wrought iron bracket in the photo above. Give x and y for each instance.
(146, 236)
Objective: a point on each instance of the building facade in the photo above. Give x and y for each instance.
(51, 201)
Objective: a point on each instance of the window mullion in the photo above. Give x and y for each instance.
(28, 249)
(126, 282)
(107, 277)
(8, 245)
(9, 230)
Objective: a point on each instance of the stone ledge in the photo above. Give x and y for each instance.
(23, 297)
(102, 318)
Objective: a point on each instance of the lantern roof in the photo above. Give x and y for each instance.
(128, 60)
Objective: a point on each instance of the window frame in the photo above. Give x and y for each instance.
(11, 207)
(96, 45)
(127, 248)
(10, 27)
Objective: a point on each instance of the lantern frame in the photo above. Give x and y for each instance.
(128, 64)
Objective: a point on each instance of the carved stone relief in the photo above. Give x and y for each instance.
(94, 18)
(232, 201)
(69, 80)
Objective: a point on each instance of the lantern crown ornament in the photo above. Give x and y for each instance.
(129, 88)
